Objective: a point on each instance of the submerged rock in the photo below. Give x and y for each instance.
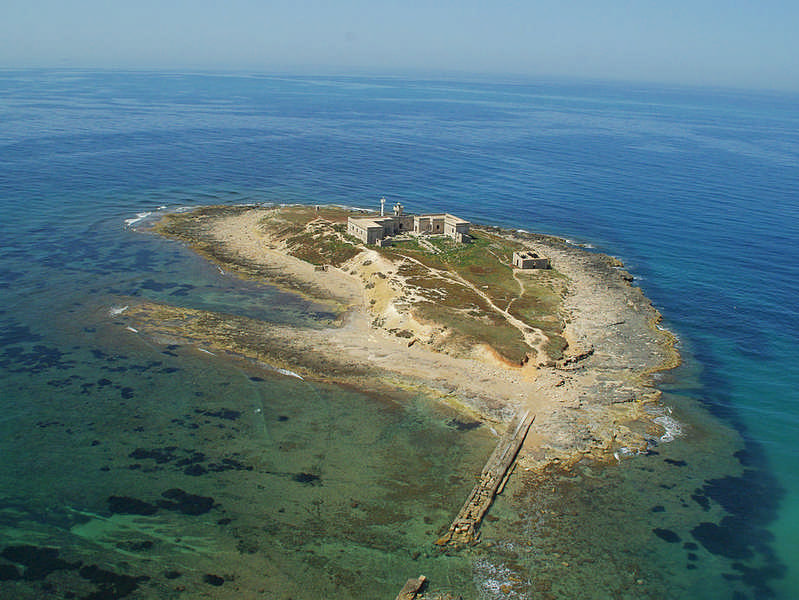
(667, 535)
(183, 502)
(125, 505)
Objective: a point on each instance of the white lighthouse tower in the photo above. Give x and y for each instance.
(382, 207)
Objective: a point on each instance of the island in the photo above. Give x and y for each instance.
(496, 323)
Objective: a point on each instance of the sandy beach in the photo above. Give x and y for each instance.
(590, 403)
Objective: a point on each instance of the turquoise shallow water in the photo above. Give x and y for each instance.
(694, 189)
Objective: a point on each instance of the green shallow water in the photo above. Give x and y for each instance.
(295, 490)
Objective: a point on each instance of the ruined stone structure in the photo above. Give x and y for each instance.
(376, 230)
(528, 259)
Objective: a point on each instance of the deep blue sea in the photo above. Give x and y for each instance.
(136, 469)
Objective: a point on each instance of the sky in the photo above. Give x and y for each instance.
(737, 43)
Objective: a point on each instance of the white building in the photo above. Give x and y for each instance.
(373, 230)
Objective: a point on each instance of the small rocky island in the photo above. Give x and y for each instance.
(454, 314)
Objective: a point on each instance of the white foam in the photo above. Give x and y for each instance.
(578, 244)
(672, 427)
(206, 351)
(129, 328)
(137, 219)
(289, 373)
(115, 311)
(496, 580)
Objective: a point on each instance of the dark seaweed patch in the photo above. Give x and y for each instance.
(676, 463)
(182, 290)
(667, 535)
(751, 501)
(190, 464)
(125, 505)
(38, 562)
(229, 464)
(183, 502)
(144, 368)
(100, 355)
(282, 418)
(60, 383)
(9, 573)
(464, 425)
(758, 579)
(699, 497)
(196, 457)
(724, 539)
(159, 455)
(37, 360)
(110, 585)
(141, 546)
(308, 478)
(195, 470)
(172, 574)
(155, 286)
(215, 580)
(658, 509)
(17, 334)
(225, 413)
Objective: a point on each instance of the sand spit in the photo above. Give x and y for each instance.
(588, 403)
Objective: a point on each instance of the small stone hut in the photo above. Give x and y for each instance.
(528, 259)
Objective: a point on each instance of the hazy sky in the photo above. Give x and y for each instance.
(745, 43)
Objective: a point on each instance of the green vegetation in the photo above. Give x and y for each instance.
(461, 281)
(321, 248)
(315, 236)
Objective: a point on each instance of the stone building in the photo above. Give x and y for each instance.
(375, 230)
(527, 259)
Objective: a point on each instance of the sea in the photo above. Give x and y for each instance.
(136, 467)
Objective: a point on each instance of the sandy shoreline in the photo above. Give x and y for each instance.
(591, 403)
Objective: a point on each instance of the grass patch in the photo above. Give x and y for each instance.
(321, 248)
(472, 326)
